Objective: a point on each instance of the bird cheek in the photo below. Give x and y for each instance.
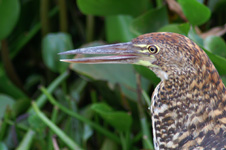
(162, 75)
(144, 63)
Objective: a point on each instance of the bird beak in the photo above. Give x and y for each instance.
(124, 53)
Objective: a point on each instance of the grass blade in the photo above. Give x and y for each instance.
(68, 141)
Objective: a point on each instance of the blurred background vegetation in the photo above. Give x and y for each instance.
(48, 104)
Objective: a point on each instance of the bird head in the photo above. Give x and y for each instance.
(165, 53)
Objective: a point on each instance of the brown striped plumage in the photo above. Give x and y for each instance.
(189, 104)
(189, 108)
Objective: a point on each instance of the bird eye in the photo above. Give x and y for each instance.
(152, 49)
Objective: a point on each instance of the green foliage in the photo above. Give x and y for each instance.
(5, 101)
(9, 14)
(90, 106)
(147, 73)
(117, 28)
(3, 146)
(143, 23)
(195, 12)
(53, 44)
(176, 28)
(216, 45)
(113, 7)
(121, 121)
(126, 79)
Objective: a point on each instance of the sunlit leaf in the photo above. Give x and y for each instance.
(195, 12)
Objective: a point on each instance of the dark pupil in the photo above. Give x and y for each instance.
(152, 49)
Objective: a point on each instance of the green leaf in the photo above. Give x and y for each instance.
(9, 14)
(109, 145)
(52, 44)
(195, 37)
(87, 132)
(36, 124)
(195, 12)
(224, 80)
(21, 105)
(5, 101)
(8, 87)
(113, 7)
(120, 120)
(147, 73)
(216, 45)
(60, 133)
(176, 28)
(113, 73)
(150, 21)
(117, 28)
(219, 62)
(3, 146)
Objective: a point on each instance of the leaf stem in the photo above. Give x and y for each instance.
(44, 8)
(89, 28)
(63, 16)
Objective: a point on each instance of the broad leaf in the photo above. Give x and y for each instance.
(113, 7)
(9, 14)
(7, 87)
(147, 73)
(176, 28)
(218, 61)
(52, 44)
(113, 73)
(195, 12)
(150, 21)
(195, 37)
(118, 119)
(216, 45)
(117, 28)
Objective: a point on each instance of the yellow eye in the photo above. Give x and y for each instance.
(152, 49)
